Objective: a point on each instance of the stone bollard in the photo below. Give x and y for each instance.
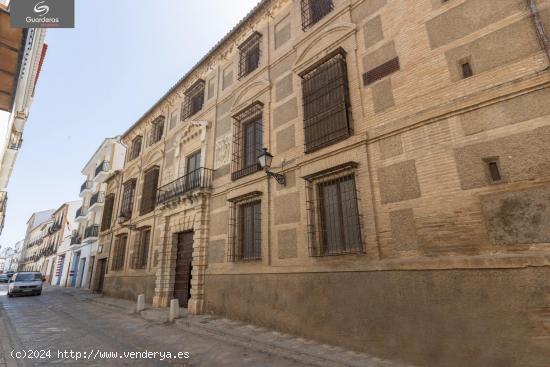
(140, 303)
(174, 310)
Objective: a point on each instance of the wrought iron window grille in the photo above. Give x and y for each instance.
(244, 231)
(249, 54)
(119, 252)
(247, 141)
(194, 100)
(141, 249)
(326, 102)
(157, 130)
(334, 222)
(128, 199)
(314, 10)
(135, 149)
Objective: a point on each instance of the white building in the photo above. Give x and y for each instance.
(37, 230)
(108, 158)
(60, 264)
(12, 255)
(22, 53)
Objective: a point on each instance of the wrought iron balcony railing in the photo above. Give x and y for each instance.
(91, 231)
(103, 167)
(201, 178)
(75, 239)
(97, 198)
(86, 185)
(81, 212)
(16, 139)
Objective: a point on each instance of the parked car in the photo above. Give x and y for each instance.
(4, 278)
(25, 283)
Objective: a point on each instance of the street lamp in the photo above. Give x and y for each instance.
(265, 160)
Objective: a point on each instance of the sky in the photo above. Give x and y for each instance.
(97, 80)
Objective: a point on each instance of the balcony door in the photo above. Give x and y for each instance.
(192, 171)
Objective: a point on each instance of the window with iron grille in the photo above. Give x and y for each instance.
(194, 99)
(135, 149)
(128, 193)
(141, 249)
(245, 229)
(249, 54)
(247, 141)
(157, 129)
(314, 10)
(107, 216)
(149, 192)
(119, 253)
(327, 112)
(334, 222)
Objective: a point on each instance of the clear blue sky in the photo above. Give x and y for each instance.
(97, 80)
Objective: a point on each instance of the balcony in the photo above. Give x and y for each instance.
(75, 239)
(81, 213)
(86, 186)
(102, 171)
(16, 139)
(200, 178)
(97, 200)
(91, 232)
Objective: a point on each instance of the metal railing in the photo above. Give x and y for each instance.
(16, 139)
(75, 239)
(201, 178)
(103, 167)
(86, 185)
(98, 197)
(91, 231)
(81, 212)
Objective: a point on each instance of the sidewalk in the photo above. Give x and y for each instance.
(263, 340)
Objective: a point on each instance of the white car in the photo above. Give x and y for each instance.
(25, 283)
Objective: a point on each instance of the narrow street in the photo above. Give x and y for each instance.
(68, 321)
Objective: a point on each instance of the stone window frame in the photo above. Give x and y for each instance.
(309, 121)
(194, 99)
(157, 130)
(118, 258)
(135, 149)
(235, 251)
(250, 54)
(140, 255)
(254, 113)
(316, 247)
(311, 17)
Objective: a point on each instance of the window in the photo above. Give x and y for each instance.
(327, 112)
(194, 99)
(157, 129)
(128, 192)
(141, 250)
(135, 149)
(381, 71)
(192, 171)
(119, 252)
(247, 141)
(493, 170)
(466, 69)
(250, 231)
(334, 226)
(314, 10)
(149, 192)
(107, 216)
(249, 52)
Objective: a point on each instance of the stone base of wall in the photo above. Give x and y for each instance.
(129, 287)
(435, 318)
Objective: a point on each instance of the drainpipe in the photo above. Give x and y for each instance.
(541, 33)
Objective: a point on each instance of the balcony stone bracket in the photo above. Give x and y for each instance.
(191, 216)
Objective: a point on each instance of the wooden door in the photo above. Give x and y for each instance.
(182, 283)
(102, 264)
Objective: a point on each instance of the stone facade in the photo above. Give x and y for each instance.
(447, 152)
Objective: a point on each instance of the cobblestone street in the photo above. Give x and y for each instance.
(70, 320)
